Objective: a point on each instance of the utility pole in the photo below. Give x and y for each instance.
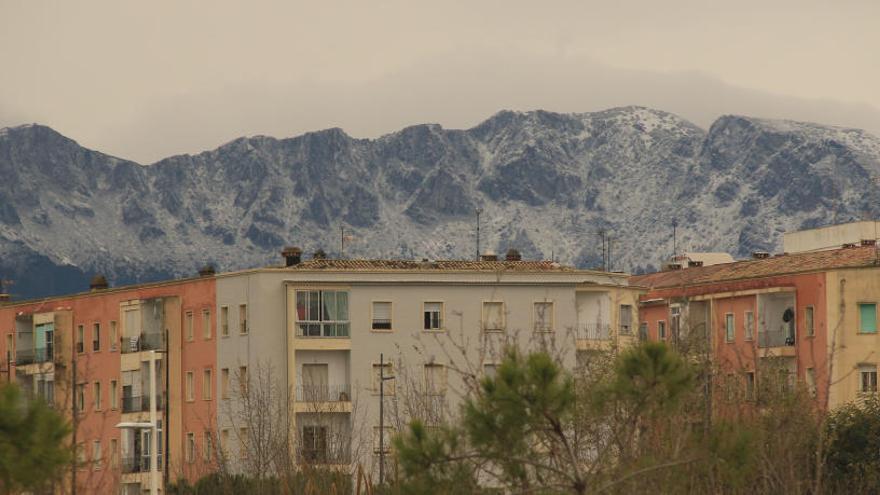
(479, 211)
(75, 424)
(342, 241)
(382, 379)
(674, 239)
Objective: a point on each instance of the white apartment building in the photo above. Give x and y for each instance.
(320, 328)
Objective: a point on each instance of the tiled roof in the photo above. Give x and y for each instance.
(439, 265)
(777, 265)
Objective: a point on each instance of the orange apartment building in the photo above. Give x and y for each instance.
(808, 318)
(90, 355)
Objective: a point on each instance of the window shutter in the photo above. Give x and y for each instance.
(381, 311)
(868, 317)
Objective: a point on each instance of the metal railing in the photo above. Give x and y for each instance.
(139, 463)
(38, 355)
(319, 456)
(309, 329)
(381, 324)
(323, 393)
(139, 403)
(146, 341)
(594, 331)
(778, 337)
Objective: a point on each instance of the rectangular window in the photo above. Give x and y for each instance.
(811, 381)
(224, 321)
(315, 380)
(750, 385)
(243, 442)
(808, 321)
(9, 348)
(381, 316)
(188, 326)
(543, 316)
(206, 324)
(208, 446)
(730, 329)
(243, 380)
(114, 453)
(224, 383)
(435, 379)
(675, 322)
(867, 318)
(224, 441)
(433, 316)
(322, 313)
(96, 454)
(190, 447)
(493, 316)
(242, 319)
(389, 384)
(114, 395)
(382, 443)
(750, 325)
(97, 396)
(314, 444)
(206, 384)
(96, 337)
(80, 338)
(114, 335)
(189, 387)
(868, 378)
(661, 330)
(643, 331)
(490, 370)
(626, 315)
(81, 397)
(730, 387)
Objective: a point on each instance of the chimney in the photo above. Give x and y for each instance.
(98, 282)
(292, 256)
(513, 255)
(489, 256)
(760, 255)
(319, 255)
(207, 271)
(869, 242)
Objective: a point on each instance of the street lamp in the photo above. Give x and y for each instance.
(382, 379)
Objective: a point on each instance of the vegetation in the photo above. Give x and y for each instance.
(33, 448)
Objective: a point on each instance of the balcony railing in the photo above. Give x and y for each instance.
(139, 463)
(594, 331)
(323, 393)
(778, 337)
(139, 403)
(144, 342)
(323, 456)
(316, 329)
(38, 355)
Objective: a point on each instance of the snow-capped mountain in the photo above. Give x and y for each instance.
(547, 183)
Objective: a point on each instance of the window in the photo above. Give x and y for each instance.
(206, 324)
(9, 348)
(382, 443)
(389, 384)
(190, 447)
(381, 316)
(208, 446)
(188, 326)
(114, 395)
(114, 453)
(224, 441)
(643, 331)
(322, 313)
(493, 316)
(96, 337)
(224, 383)
(96, 454)
(80, 338)
(243, 380)
(543, 316)
(750, 385)
(315, 377)
(114, 335)
(189, 386)
(867, 318)
(206, 384)
(490, 370)
(808, 321)
(730, 329)
(80, 455)
(97, 396)
(750, 325)
(242, 319)
(811, 381)
(433, 316)
(868, 378)
(243, 442)
(81, 397)
(435, 379)
(661, 330)
(224, 321)
(626, 315)
(675, 321)
(314, 444)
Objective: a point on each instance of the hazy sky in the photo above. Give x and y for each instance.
(144, 80)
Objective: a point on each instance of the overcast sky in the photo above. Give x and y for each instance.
(144, 80)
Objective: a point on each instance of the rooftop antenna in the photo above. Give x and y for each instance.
(601, 234)
(674, 238)
(479, 211)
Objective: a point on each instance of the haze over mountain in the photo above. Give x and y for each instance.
(547, 183)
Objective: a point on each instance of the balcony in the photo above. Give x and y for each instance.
(139, 403)
(323, 393)
(314, 329)
(783, 336)
(31, 356)
(317, 457)
(594, 331)
(139, 463)
(144, 342)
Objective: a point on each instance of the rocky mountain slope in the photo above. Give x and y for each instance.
(546, 182)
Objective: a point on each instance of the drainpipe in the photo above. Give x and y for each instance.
(154, 440)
